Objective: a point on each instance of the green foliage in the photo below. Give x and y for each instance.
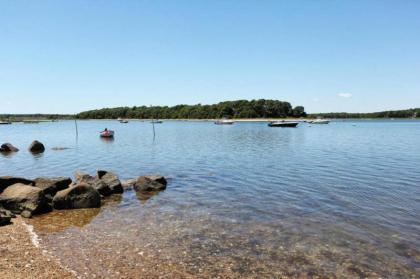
(408, 113)
(20, 117)
(231, 109)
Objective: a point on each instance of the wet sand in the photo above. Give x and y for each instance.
(20, 258)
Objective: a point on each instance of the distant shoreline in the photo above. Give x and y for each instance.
(43, 120)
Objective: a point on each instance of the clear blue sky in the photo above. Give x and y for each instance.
(69, 56)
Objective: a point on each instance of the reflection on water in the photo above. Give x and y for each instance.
(61, 220)
(107, 140)
(144, 196)
(245, 201)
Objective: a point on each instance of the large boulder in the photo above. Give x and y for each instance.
(51, 186)
(95, 182)
(150, 183)
(36, 147)
(8, 147)
(111, 179)
(81, 195)
(6, 181)
(21, 198)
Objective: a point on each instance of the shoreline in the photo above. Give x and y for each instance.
(252, 119)
(23, 258)
(245, 120)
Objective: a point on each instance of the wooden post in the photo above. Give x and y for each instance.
(77, 130)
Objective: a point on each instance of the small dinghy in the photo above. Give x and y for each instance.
(156, 121)
(283, 124)
(124, 121)
(106, 134)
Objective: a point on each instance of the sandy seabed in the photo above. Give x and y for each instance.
(21, 258)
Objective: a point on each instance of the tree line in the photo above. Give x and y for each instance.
(35, 116)
(230, 109)
(407, 113)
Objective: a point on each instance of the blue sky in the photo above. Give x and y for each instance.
(69, 56)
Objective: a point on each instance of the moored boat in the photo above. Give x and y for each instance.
(320, 121)
(5, 122)
(106, 134)
(123, 121)
(224, 122)
(283, 124)
(156, 121)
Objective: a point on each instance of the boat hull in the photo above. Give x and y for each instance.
(283, 124)
(224, 122)
(320, 122)
(107, 134)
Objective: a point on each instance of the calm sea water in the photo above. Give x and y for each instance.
(243, 201)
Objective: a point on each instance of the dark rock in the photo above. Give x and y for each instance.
(111, 179)
(20, 197)
(36, 147)
(95, 182)
(6, 181)
(101, 173)
(150, 183)
(8, 147)
(5, 216)
(51, 186)
(81, 195)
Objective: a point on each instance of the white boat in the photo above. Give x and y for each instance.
(123, 121)
(320, 121)
(224, 122)
(5, 123)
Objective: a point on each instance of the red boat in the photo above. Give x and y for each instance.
(107, 134)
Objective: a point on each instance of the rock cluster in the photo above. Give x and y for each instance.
(28, 197)
(36, 147)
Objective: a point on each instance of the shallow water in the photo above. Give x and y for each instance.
(248, 201)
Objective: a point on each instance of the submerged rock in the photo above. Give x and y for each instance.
(51, 186)
(36, 147)
(81, 195)
(6, 181)
(128, 184)
(95, 182)
(150, 183)
(59, 148)
(8, 147)
(20, 197)
(111, 179)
